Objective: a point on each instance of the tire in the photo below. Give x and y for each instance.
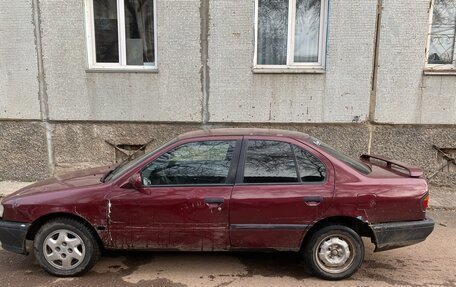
(65, 247)
(334, 252)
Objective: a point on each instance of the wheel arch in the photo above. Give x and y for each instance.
(361, 228)
(38, 223)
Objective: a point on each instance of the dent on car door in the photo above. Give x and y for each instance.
(281, 190)
(184, 203)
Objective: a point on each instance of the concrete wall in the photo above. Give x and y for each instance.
(404, 94)
(18, 62)
(339, 95)
(413, 144)
(23, 151)
(79, 145)
(85, 109)
(236, 94)
(173, 94)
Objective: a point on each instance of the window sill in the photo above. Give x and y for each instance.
(288, 70)
(121, 70)
(439, 72)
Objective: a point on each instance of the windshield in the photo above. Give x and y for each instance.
(359, 166)
(128, 164)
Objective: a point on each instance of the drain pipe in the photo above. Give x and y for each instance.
(42, 92)
(373, 92)
(204, 72)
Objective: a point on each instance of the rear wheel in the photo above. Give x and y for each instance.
(66, 247)
(334, 252)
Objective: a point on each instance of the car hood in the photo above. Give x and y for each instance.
(81, 178)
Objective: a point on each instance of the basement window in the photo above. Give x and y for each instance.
(441, 52)
(126, 151)
(444, 160)
(121, 34)
(290, 34)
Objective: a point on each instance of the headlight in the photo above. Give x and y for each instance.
(1, 210)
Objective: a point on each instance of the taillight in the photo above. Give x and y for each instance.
(425, 201)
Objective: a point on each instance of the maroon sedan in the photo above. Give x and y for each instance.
(223, 190)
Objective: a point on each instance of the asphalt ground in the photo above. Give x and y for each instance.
(431, 263)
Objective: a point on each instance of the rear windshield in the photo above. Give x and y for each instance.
(359, 166)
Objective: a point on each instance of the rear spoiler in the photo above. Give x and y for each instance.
(412, 170)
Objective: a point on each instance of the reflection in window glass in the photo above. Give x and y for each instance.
(307, 31)
(441, 46)
(269, 162)
(106, 31)
(272, 32)
(359, 166)
(192, 163)
(310, 168)
(139, 30)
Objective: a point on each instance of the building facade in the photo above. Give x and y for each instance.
(83, 81)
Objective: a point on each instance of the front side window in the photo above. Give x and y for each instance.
(441, 48)
(290, 33)
(121, 34)
(205, 162)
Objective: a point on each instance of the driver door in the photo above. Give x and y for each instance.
(184, 202)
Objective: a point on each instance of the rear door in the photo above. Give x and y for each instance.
(282, 187)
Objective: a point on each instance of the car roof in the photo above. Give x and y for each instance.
(244, 132)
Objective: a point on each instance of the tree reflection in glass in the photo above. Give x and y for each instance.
(307, 30)
(269, 162)
(206, 162)
(272, 32)
(441, 46)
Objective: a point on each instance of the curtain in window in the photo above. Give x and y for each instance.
(139, 29)
(441, 46)
(272, 32)
(307, 30)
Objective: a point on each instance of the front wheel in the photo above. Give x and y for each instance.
(334, 252)
(66, 247)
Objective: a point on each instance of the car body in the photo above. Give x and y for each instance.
(222, 190)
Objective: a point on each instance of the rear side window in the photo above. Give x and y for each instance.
(206, 162)
(311, 169)
(361, 167)
(269, 162)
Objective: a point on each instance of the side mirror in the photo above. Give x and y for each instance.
(136, 181)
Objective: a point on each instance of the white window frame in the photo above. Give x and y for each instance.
(122, 65)
(291, 65)
(437, 68)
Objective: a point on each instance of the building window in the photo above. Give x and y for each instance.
(121, 34)
(290, 33)
(441, 49)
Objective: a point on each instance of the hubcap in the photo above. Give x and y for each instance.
(64, 249)
(335, 254)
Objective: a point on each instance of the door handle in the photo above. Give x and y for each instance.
(214, 201)
(313, 200)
